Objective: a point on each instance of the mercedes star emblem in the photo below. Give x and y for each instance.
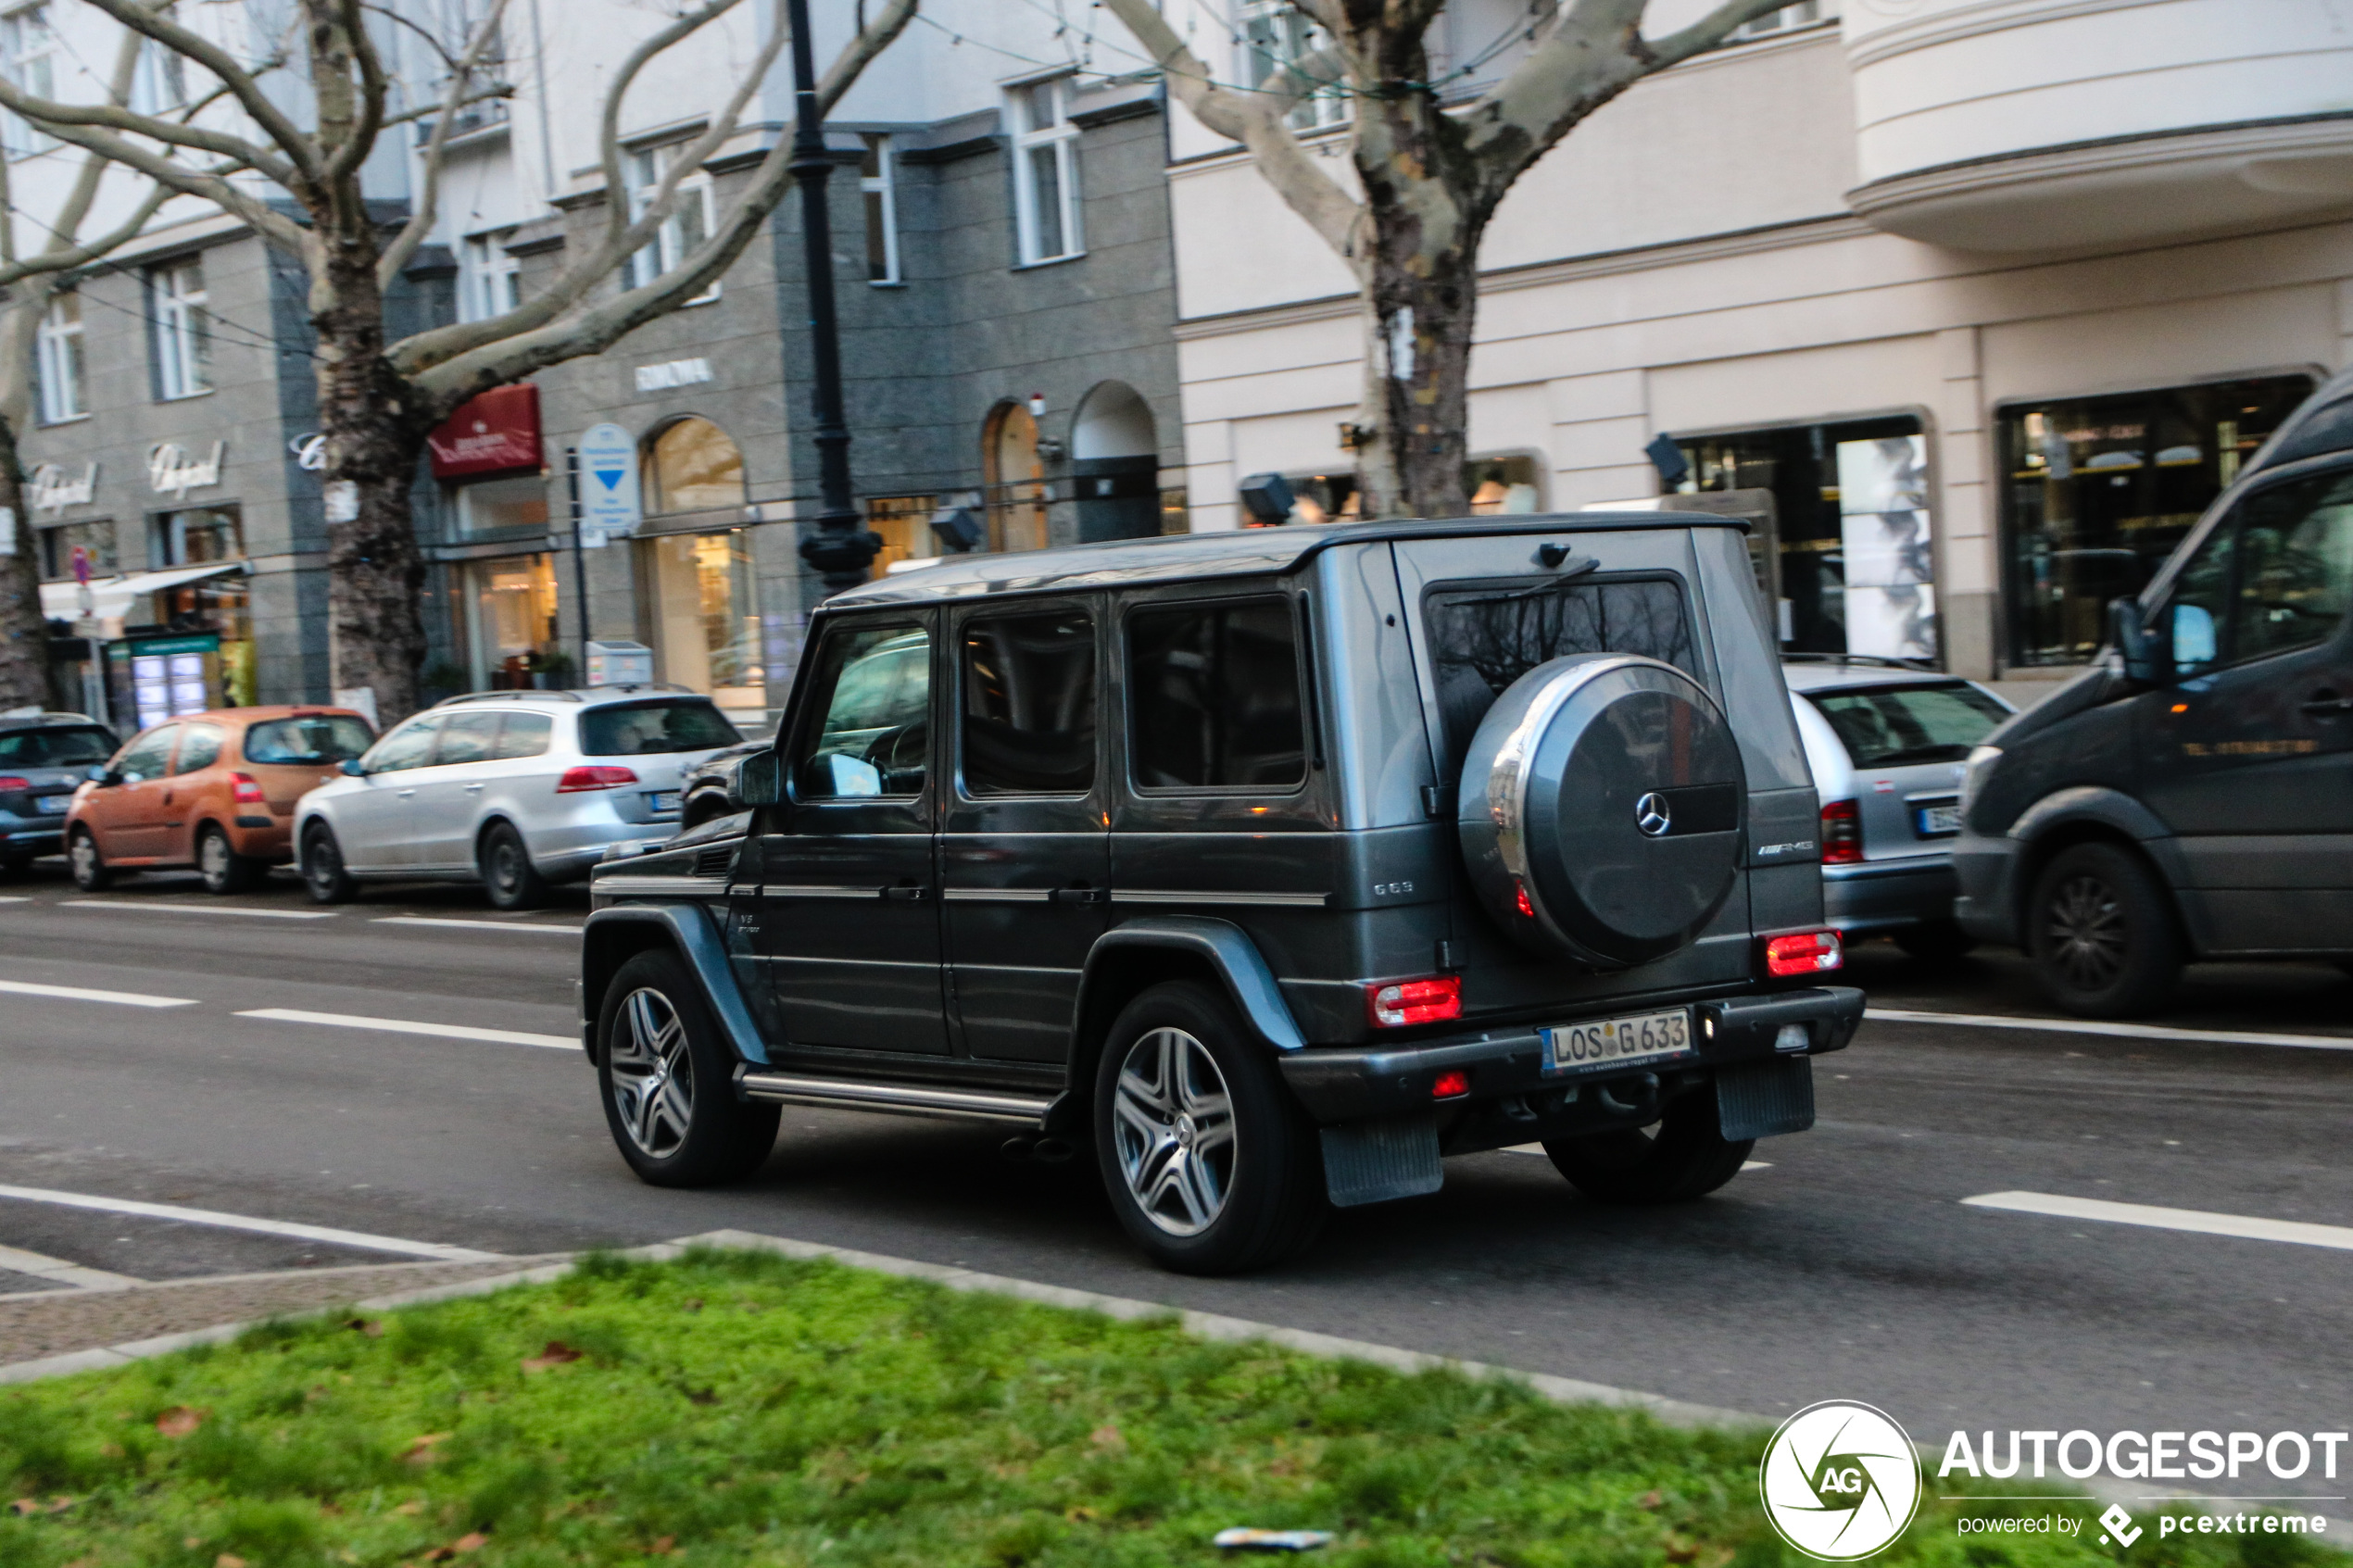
(1653, 815)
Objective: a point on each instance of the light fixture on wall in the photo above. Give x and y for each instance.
(1036, 405)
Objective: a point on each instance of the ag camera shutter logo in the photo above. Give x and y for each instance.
(1840, 1481)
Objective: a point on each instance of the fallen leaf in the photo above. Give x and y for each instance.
(228, 1560)
(420, 1449)
(412, 1506)
(557, 1354)
(694, 1303)
(178, 1420)
(1648, 1499)
(1108, 1436)
(25, 1506)
(1079, 1513)
(663, 1546)
(473, 1540)
(58, 1504)
(373, 1327)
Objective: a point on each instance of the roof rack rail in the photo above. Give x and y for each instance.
(1884, 660)
(507, 696)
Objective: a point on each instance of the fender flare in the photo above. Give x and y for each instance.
(2110, 807)
(1229, 953)
(686, 930)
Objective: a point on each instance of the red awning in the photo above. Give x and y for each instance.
(496, 433)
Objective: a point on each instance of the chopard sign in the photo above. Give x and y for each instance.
(51, 491)
(171, 471)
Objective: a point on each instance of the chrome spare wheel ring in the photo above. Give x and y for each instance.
(1173, 1127)
(653, 1076)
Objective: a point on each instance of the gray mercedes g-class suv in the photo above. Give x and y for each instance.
(1270, 867)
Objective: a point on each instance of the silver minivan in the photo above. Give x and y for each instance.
(1887, 741)
(516, 790)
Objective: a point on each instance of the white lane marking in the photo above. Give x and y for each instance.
(220, 1220)
(2054, 1206)
(1538, 1148)
(412, 1026)
(83, 993)
(2122, 1031)
(193, 908)
(39, 1266)
(16, 898)
(475, 924)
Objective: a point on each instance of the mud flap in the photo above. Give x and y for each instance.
(1375, 1162)
(1757, 1099)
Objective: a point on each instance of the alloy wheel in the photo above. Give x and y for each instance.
(653, 1074)
(1173, 1126)
(2087, 934)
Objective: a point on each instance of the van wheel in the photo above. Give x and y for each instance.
(1211, 1166)
(224, 870)
(668, 1081)
(1686, 1156)
(507, 870)
(1934, 942)
(323, 876)
(91, 873)
(2103, 935)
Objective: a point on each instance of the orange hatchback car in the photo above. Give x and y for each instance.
(215, 791)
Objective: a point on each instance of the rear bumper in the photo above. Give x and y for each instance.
(1986, 872)
(1886, 894)
(1356, 1084)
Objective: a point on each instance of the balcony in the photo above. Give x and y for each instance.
(2030, 125)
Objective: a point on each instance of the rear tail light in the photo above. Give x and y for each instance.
(1841, 833)
(1806, 952)
(1519, 897)
(243, 788)
(9, 781)
(575, 780)
(1453, 1083)
(1401, 1003)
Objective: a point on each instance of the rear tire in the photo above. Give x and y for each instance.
(323, 876)
(1935, 942)
(223, 869)
(667, 1081)
(2103, 933)
(91, 873)
(1211, 1166)
(1684, 1156)
(507, 872)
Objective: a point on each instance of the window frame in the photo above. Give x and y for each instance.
(61, 361)
(179, 329)
(669, 247)
(486, 268)
(1310, 698)
(159, 82)
(1017, 608)
(1325, 110)
(1062, 138)
(806, 715)
(19, 138)
(881, 191)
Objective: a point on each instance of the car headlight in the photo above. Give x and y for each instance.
(1974, 774)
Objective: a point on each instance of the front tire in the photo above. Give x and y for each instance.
(223, 869)
(2103, 935)
(323, 876)
(1686, 1156)
(91, 873)
(507, 872)
(1211, 1167)
(668, 1082)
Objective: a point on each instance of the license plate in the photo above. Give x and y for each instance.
(664, 799)
(52, 805)
(1937, 821)
(1611, 1042)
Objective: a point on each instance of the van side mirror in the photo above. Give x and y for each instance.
(2146, 657)
(760, 780)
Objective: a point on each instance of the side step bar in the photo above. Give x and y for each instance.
(904, 1099)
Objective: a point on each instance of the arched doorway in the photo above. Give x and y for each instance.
(692, 466)
(1115, 448)
(698, 603)
(1017, 479)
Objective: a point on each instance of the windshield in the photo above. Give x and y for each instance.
(1893, 725)
(321, 740)
(57, 749)
(640, 729)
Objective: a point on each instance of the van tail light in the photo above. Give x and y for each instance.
(1803, 952)
(576, 779)
(1402, 1002)
(9, 784)
(244, 789)
(1841, 833)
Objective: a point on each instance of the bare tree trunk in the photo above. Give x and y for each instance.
(24, 631)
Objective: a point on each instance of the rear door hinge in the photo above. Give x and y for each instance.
(1438, 800)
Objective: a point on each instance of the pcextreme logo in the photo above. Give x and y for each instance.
(1840, 1481)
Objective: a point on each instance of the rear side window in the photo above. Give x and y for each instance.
(524, 735)
(1214, 698)
(326, 738)
(199, 748)
(1029, 704)
(56, 749)
(1483, 639)
(1897, 725)
(641, 729)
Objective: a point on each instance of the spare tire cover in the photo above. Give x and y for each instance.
(1608, 787)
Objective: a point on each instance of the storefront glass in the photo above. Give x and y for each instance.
(216, 605)
(2097, 490)
(705, 624)
(95, 540)
(499, 508)
(694, 467)
(509, 607)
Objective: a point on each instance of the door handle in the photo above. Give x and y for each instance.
(404, 795)
(2326, 704)
(1077, 894)
(473, 789)
(905, 895)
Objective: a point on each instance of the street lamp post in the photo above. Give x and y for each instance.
(842, 550)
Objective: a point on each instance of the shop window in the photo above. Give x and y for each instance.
(200, 534)
(1505, 485)
(95, 540)
(904, 523)
(2096, 492)
(1046, 171)
(58, 357)
(179, 327)
(695, 467)
(509, 606)
(878, 183)
(500, 506)
(705, 629)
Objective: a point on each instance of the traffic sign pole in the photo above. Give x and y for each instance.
(579, 552)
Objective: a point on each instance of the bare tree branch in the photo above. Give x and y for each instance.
(421, 222)
(204, 184)
(360, 140)
(288, 137)
(49, 112)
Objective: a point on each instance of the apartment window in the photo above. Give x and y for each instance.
(161, 83)
(1789, 18)
(60, 361)
(686, 226)
(460, 21)
(181, 323)
(28, 53)
(878, 177)
(490, 282)
(1046, 171)
(1274, 34)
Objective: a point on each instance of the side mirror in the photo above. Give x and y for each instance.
(99, 774)
(2146, 658)
(760, 780)
(351, 766)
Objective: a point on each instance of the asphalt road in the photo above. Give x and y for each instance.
(1848, 1266)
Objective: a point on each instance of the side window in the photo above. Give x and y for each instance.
(199, 748)
(1214, 697)
(468, 737)
(1029, 704)
(407, 746)
(2294, 567)
(525, 734)
(873, 689)
(148, 755)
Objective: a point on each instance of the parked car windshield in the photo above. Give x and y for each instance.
(328, 737)
(1892, 725)
(637, 729)
(59, 748)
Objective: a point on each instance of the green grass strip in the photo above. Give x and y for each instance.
(740, 1408)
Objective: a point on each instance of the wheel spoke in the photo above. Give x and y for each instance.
(1174, 1131)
